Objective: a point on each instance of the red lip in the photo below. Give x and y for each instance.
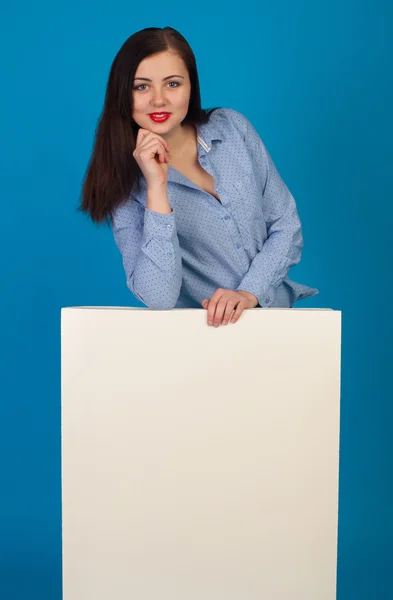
(159, 119)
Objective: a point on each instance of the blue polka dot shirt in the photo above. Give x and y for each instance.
(248, 241)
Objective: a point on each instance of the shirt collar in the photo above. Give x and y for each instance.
(209, 132)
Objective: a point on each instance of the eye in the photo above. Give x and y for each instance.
(138, 87)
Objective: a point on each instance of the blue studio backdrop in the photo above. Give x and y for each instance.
(315, 79)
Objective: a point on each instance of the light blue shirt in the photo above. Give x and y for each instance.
(248, 242)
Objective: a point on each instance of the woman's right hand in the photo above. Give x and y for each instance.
(151, 154)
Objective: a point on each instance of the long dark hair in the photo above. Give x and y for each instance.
(112, 169)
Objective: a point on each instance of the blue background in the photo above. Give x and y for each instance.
(315, 78)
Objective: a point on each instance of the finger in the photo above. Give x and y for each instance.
(205, 302)
(147, 135)
(231, 304)
(142, 133)
(153, 148)
(149, 143)
(239, 309)
(212, 305)
(220, 309)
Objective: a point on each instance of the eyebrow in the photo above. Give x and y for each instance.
(165, 78)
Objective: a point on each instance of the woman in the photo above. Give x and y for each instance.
(198, 210)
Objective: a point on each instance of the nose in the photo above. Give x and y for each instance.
(158, 99)
(158, 102)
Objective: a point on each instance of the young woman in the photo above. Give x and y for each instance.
(198, 210)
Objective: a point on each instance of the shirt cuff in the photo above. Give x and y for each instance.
(265, 299)
(159, 225)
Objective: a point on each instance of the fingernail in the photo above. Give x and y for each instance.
(210, 323)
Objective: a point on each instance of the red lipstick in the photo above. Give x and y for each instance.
(159, 117)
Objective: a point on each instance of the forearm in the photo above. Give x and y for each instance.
(281, 251)
(157, 199)
(149, 245)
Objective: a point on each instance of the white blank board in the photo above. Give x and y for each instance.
(199, 463)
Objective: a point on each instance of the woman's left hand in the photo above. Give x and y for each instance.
(224, 302)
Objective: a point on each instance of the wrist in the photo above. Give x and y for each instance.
(157, 186)
(251, 297)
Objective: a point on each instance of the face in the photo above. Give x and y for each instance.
(161, 84)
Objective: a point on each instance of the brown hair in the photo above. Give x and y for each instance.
(112, 169)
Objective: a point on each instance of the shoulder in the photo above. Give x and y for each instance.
(251, 153)
(230, 120)
(237, 127)
(239, 130)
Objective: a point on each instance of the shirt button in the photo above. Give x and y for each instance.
(169, 253)
(227, 217)
(168, 226)
(267, 300)
(238, 245)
